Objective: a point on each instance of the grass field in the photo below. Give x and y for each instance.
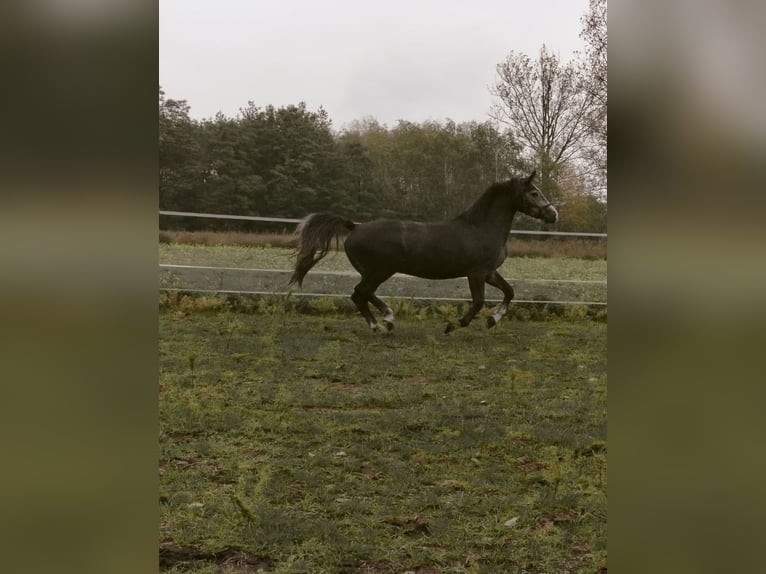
(302, 442)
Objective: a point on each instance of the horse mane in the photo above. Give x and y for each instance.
(479, 210)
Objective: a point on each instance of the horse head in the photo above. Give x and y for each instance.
(534, 203)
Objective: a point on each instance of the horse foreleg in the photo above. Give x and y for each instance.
(496, 280)
(476, 284)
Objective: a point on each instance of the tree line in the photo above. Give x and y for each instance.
(289, 161)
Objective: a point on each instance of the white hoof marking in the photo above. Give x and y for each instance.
(500, 313)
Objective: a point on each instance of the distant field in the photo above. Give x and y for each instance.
(302, 442)
(531, 277)
(524, 245)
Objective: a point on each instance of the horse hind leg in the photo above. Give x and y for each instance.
(386, 311)
(360, 298)
(496, 280)
(364, 293)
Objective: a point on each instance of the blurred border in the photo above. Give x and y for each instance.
(78, 173)
(686, 151)
(78, 252)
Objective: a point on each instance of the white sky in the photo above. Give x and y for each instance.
(394, 59)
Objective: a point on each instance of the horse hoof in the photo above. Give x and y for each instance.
(491, 322)
(389, 325)
(449, 328)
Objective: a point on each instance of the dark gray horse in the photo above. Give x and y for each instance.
(472, 245)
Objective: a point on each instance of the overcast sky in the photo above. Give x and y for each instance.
(394, 59)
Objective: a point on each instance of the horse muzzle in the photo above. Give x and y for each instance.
(549, 214)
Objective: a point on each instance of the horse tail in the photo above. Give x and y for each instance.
(315, 233)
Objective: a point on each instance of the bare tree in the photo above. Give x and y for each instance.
(594, 68)
(545, 107)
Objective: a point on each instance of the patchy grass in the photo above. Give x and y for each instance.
(302, 442)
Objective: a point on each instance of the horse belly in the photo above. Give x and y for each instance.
(431, 266)
(430, 251)
(442, 258)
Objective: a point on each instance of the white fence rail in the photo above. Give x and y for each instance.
(346, 296)
(259, 281)
(286, 220)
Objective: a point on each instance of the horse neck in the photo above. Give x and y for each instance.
(500, 216)
(501, 221)
(497, 217)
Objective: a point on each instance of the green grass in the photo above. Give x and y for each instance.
(302, 442)
(281, 258)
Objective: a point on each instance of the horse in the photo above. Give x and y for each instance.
(471, 245)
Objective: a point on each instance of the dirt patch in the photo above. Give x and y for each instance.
(417, 380)
(385, 568)
(411, 525)
(229, 559)
(347, 388)
(527, 465)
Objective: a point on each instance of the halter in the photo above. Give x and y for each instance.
(537, 189)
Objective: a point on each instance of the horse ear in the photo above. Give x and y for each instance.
(531, 177)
